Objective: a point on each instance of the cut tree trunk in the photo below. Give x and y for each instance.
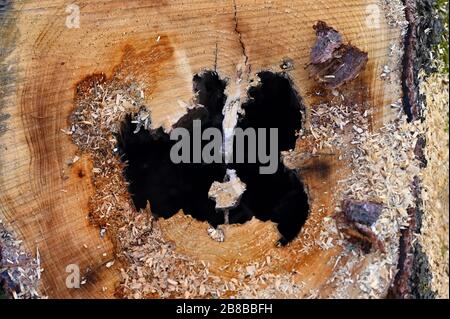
(43, 57)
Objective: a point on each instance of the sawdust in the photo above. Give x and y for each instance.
(394, 12)
(391, 72)
(153, 268)
(435, 181)
(382, 168)
(382, 165)
(19, 270)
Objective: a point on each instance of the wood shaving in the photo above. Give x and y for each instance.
(18, 267)
(216, 234)
(435, 182)
(152, 267)
(227, 194)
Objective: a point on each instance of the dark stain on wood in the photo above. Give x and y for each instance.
(84, 87)
(81, 173)
(140, 65)
(146, 66)
(316, 166)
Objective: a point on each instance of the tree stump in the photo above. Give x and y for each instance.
(48, 50)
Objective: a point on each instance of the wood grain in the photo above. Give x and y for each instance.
(41, 61)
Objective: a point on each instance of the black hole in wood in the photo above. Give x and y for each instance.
(169, 187)
(279, 197)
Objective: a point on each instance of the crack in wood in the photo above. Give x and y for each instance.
(216, 53)
(241, 42)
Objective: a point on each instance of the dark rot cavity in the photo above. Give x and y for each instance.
(170, 187)
(278, 197)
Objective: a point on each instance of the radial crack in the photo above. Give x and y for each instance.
(241, 42)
